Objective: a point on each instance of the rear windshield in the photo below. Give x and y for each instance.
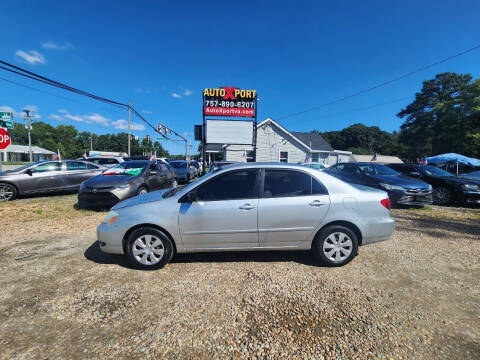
(377, 170)
(178, 165)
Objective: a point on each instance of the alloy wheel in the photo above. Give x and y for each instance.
(337, 247)
(6, 192)
(441, 195)
(148, 249)
(142, 191)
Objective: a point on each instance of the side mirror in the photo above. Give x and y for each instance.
(29, 172)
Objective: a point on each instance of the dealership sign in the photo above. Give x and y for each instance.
(229, 101)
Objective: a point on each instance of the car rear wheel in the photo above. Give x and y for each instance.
(7, 192)
(142, 190)
(442, 196)
(149, 248)
(335, 245)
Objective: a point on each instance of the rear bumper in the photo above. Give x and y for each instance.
(380, 230)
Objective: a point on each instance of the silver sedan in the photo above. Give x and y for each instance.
(254, 206)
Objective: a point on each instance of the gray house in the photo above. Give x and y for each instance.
(277, 144)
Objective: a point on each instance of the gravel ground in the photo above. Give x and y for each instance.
(413, 297)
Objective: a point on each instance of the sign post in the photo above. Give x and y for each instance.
(4, 143)
(233, 103)
(6, 120)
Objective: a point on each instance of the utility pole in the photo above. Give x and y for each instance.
(91, 142)
(129, 114)
(29, 127)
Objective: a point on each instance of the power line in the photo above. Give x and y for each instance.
(23, 72)
(383, 83)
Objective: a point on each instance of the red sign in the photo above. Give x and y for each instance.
(4, 139)
(228, 111)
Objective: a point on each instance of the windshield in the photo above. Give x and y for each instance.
(434, 171)
(179, 165)
(377, 169)
(134, 168)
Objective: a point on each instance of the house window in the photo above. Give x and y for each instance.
(315, 157)
(250, 155)
(284, 156)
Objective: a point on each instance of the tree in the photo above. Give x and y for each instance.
(444, 117)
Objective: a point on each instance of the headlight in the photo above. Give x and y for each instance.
(391, 187)
(111, 217)
(471, 187)
(124, 186)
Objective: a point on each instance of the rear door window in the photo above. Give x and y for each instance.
(289, 183)
(76, 165)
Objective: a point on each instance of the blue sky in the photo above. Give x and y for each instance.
(297, 54)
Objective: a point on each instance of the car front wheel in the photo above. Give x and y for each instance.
(142, 190)
(335, 245)
(7, 192)
(442, 196)
(149, 248)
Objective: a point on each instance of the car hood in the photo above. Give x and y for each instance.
(403, 181)
(141, 199)
(109, 180)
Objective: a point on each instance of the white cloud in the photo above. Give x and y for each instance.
(176, 96)
(123, 125)
(32, 57)
(34, 111)
(97, 119)
(55, 117)
(187, 92)
(146, 111)
(50, 45)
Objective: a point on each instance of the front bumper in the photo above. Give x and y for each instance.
(470, 198)
(102, 199)
(110, 238)
(421, 200)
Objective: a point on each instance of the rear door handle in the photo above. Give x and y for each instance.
(315, 203)
(247, 207)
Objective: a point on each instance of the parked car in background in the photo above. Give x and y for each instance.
(106, 161)
(214, 166)
(317, 166)
(185, 170)
(474, 175)
(252, 206)
(401, 189)
(198, 165)
(127, 179)
(46, 177)
(447, 188)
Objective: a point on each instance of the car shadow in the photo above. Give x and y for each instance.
(96, 255)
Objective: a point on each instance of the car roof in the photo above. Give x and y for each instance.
(270, 165)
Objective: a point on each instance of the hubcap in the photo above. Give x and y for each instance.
(174, 185)
(142, 192)
(441, 195)
(148, 249)
(337, 247)
(6, 193)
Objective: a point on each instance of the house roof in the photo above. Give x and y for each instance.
(380, 159)
(25, 149)
(313, 140)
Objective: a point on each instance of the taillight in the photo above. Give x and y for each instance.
(386, 202)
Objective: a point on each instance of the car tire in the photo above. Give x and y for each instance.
(7, 192)
(142, 190)
(335, 245)
(148, 248)
(188, 178)
(442, 196)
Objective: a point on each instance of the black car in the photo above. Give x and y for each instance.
(127, 179)
(447, 187)
(402, 190)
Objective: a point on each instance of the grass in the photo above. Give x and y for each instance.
(19, 163)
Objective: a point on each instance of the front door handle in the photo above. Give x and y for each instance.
(315, 203)
(247, 207)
